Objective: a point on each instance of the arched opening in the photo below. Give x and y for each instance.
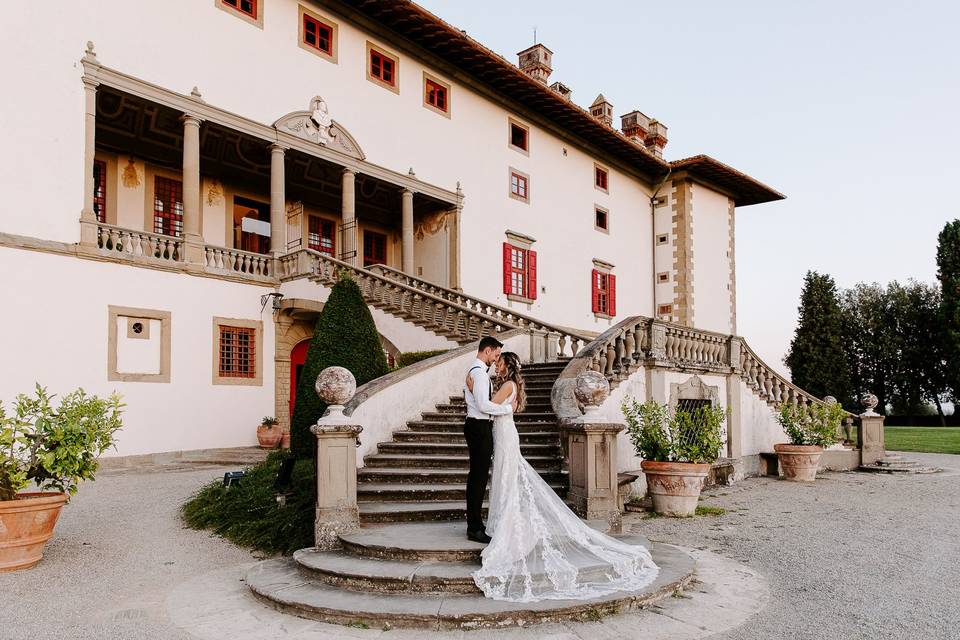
(298, 356)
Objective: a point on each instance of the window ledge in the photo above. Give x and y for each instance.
(515, 298)
(602, 316)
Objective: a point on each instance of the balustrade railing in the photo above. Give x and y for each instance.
(127, 243)
(567, 342)
(238, 262)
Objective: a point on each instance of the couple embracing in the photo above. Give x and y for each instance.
(537, 548)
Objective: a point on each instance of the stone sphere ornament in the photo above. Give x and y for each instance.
(591, 389)
(336, 385)
(869, 402)
(829, 400)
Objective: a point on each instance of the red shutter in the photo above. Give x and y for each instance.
(612, 294)
(506, 268)
(532, 274)
(595, 293)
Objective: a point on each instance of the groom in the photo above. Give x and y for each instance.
(478, 430)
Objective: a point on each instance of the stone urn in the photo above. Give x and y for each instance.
(25, 526)
(799, 462)
(675, 487)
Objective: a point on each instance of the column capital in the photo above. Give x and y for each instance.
(276, 147)
(89, 82)
(347, 171)
(407, 191)
(191, 119)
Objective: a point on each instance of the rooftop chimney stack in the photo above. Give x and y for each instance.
(563, 90)
(656, 138)
(536, 62)
(635, 126)
(602, 110)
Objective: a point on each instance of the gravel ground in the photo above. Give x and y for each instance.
(854, 556)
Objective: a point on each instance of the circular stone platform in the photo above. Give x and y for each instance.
(418, 575)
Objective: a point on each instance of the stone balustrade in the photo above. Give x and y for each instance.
(564, 343)
(131, 244)
(238, 262)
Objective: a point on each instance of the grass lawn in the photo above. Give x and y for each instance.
(923, 439)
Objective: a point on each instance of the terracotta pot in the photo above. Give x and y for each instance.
(269, 437)
(799, 462)
(25, 526)
(674, 487)
(285, 440)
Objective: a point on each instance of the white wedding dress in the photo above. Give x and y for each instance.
(540, 549)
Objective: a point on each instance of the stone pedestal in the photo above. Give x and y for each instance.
(870, 438)
(538, 346)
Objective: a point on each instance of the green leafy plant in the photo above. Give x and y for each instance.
(56, 448)
(268, 421)
(682, 436)
(412, 357)
(817, 424)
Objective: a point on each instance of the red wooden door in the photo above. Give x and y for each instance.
(298, 356)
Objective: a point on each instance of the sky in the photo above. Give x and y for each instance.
(851, 109)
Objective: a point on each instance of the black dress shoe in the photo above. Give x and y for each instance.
(478, 536)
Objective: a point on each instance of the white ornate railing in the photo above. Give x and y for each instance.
(128, 243)
(238, 262)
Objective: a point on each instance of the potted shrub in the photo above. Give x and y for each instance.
(55, 448)
(677, 450)
(809, 429)
(269, 433)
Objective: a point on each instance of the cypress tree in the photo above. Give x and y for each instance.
(345, 336)
(817, 359)
(948, 273)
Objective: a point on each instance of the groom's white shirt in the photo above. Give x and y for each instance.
(479, 405)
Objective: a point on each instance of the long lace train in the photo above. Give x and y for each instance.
(540, 549)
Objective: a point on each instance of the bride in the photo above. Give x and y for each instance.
(540, 550)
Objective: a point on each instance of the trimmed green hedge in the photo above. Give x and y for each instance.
(413, 357)
(345, 336)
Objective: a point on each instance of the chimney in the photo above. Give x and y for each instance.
(563, 90)
(602, 110)
(536, 62)
(635, 126)
(656, 138)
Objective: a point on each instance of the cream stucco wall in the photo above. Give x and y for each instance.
(711, 273)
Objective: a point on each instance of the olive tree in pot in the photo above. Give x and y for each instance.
(55, 448)
(677, 450)
(810, 429)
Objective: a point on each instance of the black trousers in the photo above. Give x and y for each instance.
(479, 435)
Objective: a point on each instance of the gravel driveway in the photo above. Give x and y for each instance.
(854, 556)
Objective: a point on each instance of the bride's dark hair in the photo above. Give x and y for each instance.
(511, 363)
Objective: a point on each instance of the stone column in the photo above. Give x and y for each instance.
(348, 218)
(192, 234)
(88, 218)
(278, 201)
(538, 346)
(592, 447)
(734, 408)
(453, 279)
(407, 231)
(337, 510)
(870, 436)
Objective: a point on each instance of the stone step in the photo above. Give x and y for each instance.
(451, 436)
(415, 475)
(414, 512)
(441, 448)
(425, 542)
(347, 571)
(526, 416)
(457, 427)
(387, 491)
(282, 584)
(901, 469)
(386, 460)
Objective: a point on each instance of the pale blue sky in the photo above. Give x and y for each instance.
(849, 108)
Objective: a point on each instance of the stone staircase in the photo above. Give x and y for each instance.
(421, 474)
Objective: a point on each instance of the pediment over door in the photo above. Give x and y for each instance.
(315, 125)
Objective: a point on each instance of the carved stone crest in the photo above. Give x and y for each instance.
(316, 125)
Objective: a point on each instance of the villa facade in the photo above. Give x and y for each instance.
(182, 179)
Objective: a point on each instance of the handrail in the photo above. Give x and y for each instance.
(508, 315)
(139, 244)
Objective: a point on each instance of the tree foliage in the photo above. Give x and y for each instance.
(869, 342)
(948, 273)
(681, 436)
(345, 336)
(817, 357)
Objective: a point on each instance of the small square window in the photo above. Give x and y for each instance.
(662, 277)
(436, 95)
(317, 35)
(238, 352)
(664, 309)
(519, 136)
(663, 238)
(519, 186)
(382, 67)
(600, 178)
(601, 219)
(248, 10)
(246, 7)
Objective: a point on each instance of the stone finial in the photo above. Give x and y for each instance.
(829, 400)
(411, 173)
(89, 50)
(195, 94)
(869, 402)
(591, 389)
(335, 386)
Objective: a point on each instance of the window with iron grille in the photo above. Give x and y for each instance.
(238, 352)
(320, 235)
(167, 206)
(246, 7)
(435, 95)
(318, 35)
(688, 405)
(100, 190)
(519, 186)
(382, 67)
(374, 248)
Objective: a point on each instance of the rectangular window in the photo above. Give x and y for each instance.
(246, 7)
(663, 238)
(604, 287)
(374, 248)
(519, 136)
(251, 225)
(382, 68)
(519, 272)
(320, 235)
(519, 186)
(100, 190)
(238, 346)
(664, 309)
(318, 35)
(600, 178)
(601, 219)
(167, 206)
(435, 95)
(663, 276)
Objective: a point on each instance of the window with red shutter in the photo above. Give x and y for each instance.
(519, 272)
(604, 297)
(595, 291)
(532, 274)
(507, 273)
(612, 294)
